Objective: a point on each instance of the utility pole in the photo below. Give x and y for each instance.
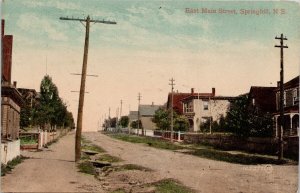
(172, 96)
(117, 116)
(138, 122)
(121, 110)
(210, 118)
(83, 78)
(281, 108)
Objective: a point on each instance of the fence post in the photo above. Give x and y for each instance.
(178, 135)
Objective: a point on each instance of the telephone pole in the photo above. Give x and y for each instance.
(87, 22)
(121, 109)
(281, 108)
(109, 117)
(172, 96)
(138, 122)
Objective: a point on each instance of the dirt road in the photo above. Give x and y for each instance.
(52, 170)
(201, 174)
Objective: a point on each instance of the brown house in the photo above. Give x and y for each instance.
(267, 99)
(11, 102)
(263, 98)
(291, 107)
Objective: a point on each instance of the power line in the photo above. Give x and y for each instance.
(281, 108)
(87, 22)
(93, 75)
(77, 91)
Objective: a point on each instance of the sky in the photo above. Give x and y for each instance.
(152, 42)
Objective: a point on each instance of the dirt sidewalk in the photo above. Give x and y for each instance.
(52, 170)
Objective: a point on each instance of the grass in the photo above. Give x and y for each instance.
(92, 147)
(26, 141)
(245, 159)
(87, 145)
(133, 167)
(204, 151)
(85, 141)
(171, 186)
(108, 158)
(87, 168)
(153, 142)
(6, 168)
(84, 156)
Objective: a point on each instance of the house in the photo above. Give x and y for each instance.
(30, 96)
(11, 102)
(291, 107)
(263, 98)
(31, 99)
(133, 116)
(177, 101)
(202, 107)
(146, 114)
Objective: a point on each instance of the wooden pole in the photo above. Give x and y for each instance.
(81, 94)
(83, 78)
(281, 107)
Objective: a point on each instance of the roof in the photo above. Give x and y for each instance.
(7, 90)
(207, 96)
(177, 104)
(133, 115)
(148, 110)
(27, 91)
(265, 98)
(290, 84)
(178, 97)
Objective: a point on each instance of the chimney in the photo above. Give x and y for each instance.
(15, 84)
(2, 28)
(278, 83)
(152, 104)
(213, 92)
(192, 90)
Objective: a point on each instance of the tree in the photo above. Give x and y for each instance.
(260, 123)
(238, 116)
(162, 120)
(134, 124)
(245, 120)
(113, 122)
(50, 110)
(124, 121)
(25, 116)
(181, 123)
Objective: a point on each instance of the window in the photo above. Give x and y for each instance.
(205, 105)
(296, 96)
(284, 98)
(188, 107)
(253, 101)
